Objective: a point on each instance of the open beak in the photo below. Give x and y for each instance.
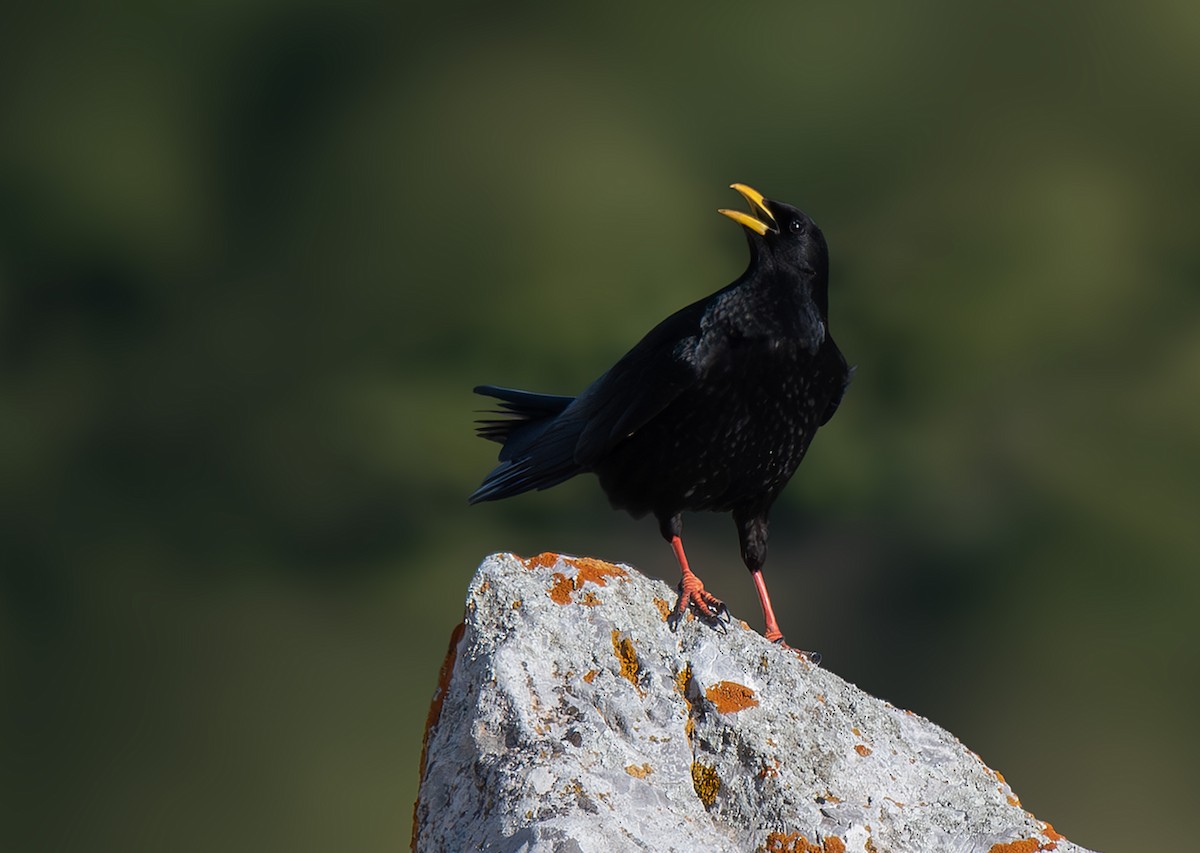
(758, 205)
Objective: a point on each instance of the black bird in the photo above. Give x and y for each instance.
(713, 410)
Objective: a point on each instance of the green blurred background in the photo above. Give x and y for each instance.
(254, 254)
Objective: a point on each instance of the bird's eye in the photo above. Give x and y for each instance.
(796, 226)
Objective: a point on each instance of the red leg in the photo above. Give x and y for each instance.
(773, 633)
(691, 589)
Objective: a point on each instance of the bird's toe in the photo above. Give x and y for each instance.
(812, 657)
(693, 594)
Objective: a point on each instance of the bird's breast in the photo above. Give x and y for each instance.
(732, 439)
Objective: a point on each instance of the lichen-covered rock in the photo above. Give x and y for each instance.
(571, 719)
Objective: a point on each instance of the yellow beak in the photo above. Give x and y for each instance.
(757, 204)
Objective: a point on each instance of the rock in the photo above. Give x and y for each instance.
(569, 718)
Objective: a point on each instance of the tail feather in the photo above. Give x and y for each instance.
(523, 409)
(538, 447)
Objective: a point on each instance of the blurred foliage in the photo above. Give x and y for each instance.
(254, 255)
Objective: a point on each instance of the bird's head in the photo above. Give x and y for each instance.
(781, 235)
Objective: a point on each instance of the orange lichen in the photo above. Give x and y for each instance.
(435, 711)
(729, 697)
(778, 842)
(639, 772)
(794, 842)
(560, 589)
(542, 561)
(1030, 845)
(1049, 832)
(517, 604)
(595, 571)
(1025, 845)
(627, 656)
(587, 570)
(706, 782)
(1009, 795)
(590, 675)
(863, 750)
(663, 607)
(766, 771)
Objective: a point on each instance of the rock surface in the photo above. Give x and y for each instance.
(570, 719)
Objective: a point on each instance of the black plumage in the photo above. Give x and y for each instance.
(713, 410)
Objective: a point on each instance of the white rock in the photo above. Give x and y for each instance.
(573, 720)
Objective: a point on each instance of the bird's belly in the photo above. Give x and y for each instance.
(719, 447)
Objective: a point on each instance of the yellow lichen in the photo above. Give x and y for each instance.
(681, 683)
(706, 782)
(639, 772)
(627, 656)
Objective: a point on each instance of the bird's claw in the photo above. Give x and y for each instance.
(812, 657)
(712, 609)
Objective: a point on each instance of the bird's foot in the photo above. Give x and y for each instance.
(812, 657)
(692, 592)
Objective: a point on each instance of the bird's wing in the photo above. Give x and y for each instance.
(846, 373)
(639, 386)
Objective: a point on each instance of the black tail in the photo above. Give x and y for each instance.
(524, 409)
(539, 448)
